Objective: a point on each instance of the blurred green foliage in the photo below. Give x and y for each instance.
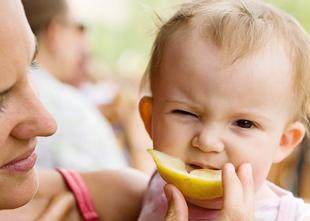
(300, 9)
(134, 37)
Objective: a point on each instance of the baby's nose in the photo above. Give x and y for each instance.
(208, 140)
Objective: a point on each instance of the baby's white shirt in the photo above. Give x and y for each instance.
(284, 208)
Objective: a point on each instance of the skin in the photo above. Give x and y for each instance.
(117, 195)
(209, 114)
(22, 116)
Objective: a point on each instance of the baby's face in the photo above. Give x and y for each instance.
(209, 114)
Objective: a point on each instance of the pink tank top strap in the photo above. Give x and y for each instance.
(81, 194)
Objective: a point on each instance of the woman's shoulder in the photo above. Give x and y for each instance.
(51, 183)
(107, 188)
(124, 188)
(116, 195)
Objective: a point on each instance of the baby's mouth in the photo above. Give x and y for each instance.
(195, 166)
(191, 167)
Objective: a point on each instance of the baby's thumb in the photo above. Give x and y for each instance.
(177, 207)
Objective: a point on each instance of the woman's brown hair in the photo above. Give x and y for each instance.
(40, 13)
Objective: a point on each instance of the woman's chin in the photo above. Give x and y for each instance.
(18, 191)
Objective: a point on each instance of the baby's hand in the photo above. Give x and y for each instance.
(238, 197)
(238, 194)
(177, 207)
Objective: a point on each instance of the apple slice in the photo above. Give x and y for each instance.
(199, 184)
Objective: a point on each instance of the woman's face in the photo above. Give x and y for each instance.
(22, 116)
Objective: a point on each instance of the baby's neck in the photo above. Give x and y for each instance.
(265, 193)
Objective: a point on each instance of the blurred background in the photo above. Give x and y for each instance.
(136, 19)
(117, 38)
(121, 33)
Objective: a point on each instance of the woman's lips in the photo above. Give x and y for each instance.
(23, 163)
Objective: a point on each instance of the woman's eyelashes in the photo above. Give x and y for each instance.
(2, 102)
(245, 124)
(184, 113)
(3, 97)
(34, 64)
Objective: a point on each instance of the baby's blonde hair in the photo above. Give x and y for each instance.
(239, 28)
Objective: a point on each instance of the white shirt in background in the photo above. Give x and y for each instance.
(84, 140)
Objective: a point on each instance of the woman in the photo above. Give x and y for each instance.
(115, 195)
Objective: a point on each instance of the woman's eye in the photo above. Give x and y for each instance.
(182, 112)
(244, 124)
(34, 64)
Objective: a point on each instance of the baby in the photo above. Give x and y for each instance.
(230, 83)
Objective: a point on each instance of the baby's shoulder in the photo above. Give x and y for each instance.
(286, 208)
(293, 208)
(303, 210)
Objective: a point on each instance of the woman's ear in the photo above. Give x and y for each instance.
(49, 35)
(145, 109)
(291, 138)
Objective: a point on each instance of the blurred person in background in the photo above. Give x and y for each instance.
(65, 53)
(84, 140)
(117, 99)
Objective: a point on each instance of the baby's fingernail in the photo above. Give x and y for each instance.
(247, 168)
(230, 167)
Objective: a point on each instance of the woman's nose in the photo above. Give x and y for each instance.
(36, 120)
(208, 140)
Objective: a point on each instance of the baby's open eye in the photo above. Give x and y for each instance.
(247, 124)
(183, 112)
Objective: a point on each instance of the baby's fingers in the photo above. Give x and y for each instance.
(177, 207)
(238, 193)
(233, 193)
(246, 177)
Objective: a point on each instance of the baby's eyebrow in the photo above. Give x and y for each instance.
(175, 101)
(252, 114)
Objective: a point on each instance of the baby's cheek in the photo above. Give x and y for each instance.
(260, 173)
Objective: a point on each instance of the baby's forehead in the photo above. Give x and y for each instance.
(188, 47)
(194, 62)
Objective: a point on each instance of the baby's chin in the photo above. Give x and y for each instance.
(207, 204)
(204, 210)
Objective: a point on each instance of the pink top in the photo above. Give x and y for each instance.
(285, 208)
(81, 194)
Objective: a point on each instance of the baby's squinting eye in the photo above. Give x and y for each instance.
(247, 124)
(185, 113)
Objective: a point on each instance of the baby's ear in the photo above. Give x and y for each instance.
(145, 109)
(290, 139)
